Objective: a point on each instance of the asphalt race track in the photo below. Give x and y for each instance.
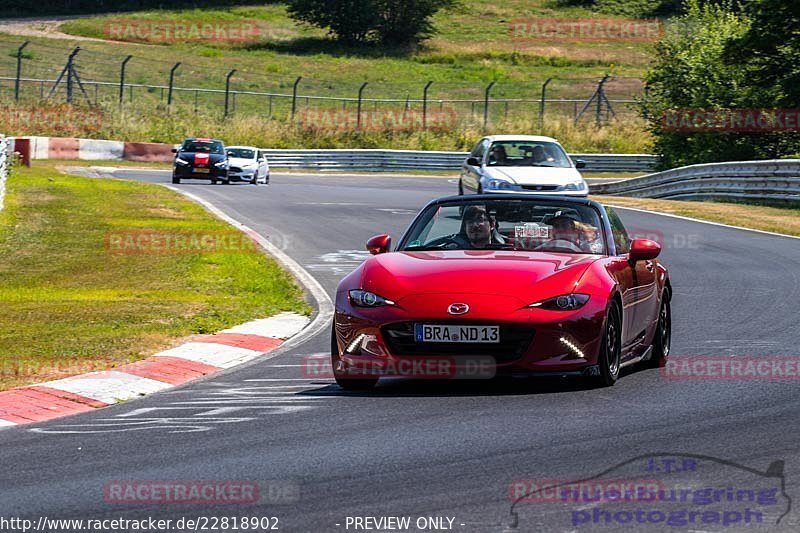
(448, 450)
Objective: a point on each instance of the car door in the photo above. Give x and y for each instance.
(470, 175)
(629, 281)
(262, 164)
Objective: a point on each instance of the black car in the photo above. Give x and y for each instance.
(202, 159)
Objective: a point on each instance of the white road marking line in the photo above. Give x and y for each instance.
(324, 304)
(703, 221)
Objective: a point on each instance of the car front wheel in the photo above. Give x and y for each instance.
(663, 337)
(175, 179)
(611, 349)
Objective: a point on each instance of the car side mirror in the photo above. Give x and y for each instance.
(473, 162)
(643, 250)
(174, 150)
(580, 163)
(379, 244)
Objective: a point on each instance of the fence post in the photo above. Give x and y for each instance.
(358, 113)
(425, 105)
(541, 103)
(228, 90)
(70, 69)
(19, 69)
(294, 96)
(172, 83)
(486, 105)
(122, 79)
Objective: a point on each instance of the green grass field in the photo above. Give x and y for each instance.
(71, 304)
(473, 48)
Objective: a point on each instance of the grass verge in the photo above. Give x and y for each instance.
(784, 220)
(70, 305)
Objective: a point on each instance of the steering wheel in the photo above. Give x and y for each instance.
(559, 244)
(442, 242)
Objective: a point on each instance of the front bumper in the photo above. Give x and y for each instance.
(188, 172)
(539, 342)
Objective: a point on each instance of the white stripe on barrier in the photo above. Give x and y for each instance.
(40, 147)
(94, 149)
(108, 386)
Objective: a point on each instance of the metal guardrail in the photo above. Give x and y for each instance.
(4, 164)
(394, 160)
(772, 180)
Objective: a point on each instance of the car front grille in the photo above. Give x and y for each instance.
(235, 169)
(540, 188)
(514, 341)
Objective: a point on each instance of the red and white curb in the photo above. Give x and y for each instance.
(204, 355)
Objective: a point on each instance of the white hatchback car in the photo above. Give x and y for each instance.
(247, 163)
(521, 163)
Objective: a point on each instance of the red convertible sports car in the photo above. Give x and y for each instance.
(503, 284)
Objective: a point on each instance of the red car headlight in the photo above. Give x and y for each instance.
(565, 302)
(361, 298)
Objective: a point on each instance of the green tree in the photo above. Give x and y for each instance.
(350, 21)
(389, 22)
(770, 51)
(689, 73)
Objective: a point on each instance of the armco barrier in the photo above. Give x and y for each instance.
(323, 160)
(772, 180)
(5, 148)
(394, 160)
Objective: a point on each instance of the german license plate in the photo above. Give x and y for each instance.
(451, 333)
(202, 170)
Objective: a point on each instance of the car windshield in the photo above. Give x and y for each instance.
(527, 154)
(527, 225)
(242, 153)
(209, 147)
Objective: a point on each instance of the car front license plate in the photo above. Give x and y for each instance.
(202, 170)
(459, 334)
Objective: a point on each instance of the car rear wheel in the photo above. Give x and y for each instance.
(663, 337)
(611, 349)
(341, 379)
(460, 188)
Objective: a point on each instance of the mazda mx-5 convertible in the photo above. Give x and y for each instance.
(503, 284)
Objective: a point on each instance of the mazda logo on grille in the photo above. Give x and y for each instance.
(458, 309)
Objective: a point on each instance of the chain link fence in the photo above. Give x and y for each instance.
(35, 72)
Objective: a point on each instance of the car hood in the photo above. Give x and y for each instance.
(524, 276)
(240, 161)
(200, 158)
(534, 175)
